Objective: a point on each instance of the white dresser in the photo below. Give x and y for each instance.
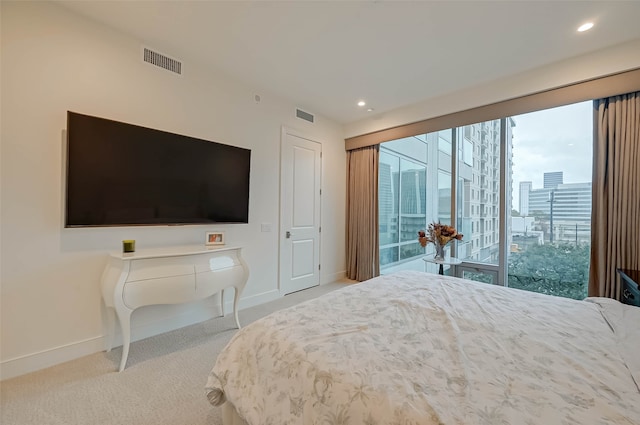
(168, 276)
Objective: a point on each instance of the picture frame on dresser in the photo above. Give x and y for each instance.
(214, 238)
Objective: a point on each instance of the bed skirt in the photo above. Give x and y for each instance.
(230, 416)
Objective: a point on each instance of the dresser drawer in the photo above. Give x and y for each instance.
(210, 282)
(160, 267)
(163, 290)
(216, 262)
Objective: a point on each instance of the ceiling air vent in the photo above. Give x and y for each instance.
(162, 61)
(304, 115)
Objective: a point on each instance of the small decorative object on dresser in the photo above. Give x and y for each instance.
(630, 280)
(214, 238)
(129, 245)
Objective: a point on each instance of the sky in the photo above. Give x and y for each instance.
(557, 139)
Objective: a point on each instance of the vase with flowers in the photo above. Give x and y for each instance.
(440, 235)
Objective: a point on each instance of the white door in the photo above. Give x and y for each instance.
(300, 164)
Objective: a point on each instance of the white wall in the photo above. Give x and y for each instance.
(54, 61)
(609, 61)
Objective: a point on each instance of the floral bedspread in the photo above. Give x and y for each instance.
(417, 349)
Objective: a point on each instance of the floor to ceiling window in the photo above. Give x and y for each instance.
(479, 197)
(414, 183)
(550, 227)
(519, 201)
(402, 182)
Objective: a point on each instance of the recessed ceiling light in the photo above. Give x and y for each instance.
(370, 110)
(585, 27)
(361, 103)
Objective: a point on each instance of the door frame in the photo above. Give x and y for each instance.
(283, 134)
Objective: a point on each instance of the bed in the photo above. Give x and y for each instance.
(415, 348)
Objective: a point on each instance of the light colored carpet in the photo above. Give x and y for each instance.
(162, 384)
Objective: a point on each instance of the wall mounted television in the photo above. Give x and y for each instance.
(121, 174)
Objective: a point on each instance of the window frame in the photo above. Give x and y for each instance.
(602, 87)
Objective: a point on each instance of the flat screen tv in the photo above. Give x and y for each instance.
(125, 175)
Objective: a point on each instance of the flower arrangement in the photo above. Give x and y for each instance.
(440, 235)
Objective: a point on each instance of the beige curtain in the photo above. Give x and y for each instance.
(615, 217)
(362, 213)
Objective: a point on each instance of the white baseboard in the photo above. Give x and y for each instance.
(28, 363)
(252, 300)
(333, 277)
(47, 358)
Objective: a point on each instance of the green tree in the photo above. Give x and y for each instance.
(561, 270)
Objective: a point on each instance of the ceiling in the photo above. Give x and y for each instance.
(326, 55)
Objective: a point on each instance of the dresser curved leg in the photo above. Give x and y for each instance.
(236, 298)
(125, 325)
